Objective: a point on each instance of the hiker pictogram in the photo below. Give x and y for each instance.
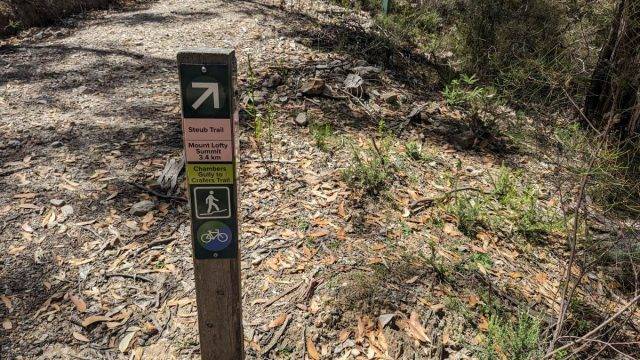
(212, 202)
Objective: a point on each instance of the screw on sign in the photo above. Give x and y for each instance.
(207, 81)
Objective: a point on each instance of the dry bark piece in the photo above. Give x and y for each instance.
(390, 98)
(168, 179)
(365, 70)
(354, 84)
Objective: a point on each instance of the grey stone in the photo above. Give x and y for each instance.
(14, 143)
(65, 212)
(141, 208)
(274, 80)
(57, 202)
(301, 119)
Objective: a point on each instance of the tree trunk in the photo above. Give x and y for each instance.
(615, 83)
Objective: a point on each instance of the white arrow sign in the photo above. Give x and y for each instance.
(212, 89)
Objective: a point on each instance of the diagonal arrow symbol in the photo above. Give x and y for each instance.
(211, 89)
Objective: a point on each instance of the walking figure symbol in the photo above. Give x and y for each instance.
(211, 203)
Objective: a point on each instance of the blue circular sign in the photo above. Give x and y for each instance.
(214, 235)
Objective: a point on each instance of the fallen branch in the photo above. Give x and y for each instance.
(292, 289)
(158, 194)
(418, 204)
(148, 246)
(276, 336)
(129, 276)
(588, 335)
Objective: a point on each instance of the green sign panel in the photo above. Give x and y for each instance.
(208, 131)
(205, 91)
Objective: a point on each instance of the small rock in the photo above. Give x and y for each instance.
(57, 202)
(301, 119)
(390, 98)
(141, 208)
(385, 319)
(56, 144)
(259, 97)
(274, 80)
(65, 212)
(355, 352)
(14, 143)
(313, 86)
(416, 112)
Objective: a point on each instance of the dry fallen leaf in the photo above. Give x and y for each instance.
(80, 337)
(473, 300)
(126, 340)
(279, 320)
(483, 325)
(413, 327)
(311, 350)
(451, 229)
(81, 306)
(94, 319)
(344, 335)
(7, 325)
(7, 302)
(319, 233)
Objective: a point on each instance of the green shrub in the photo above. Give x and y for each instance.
(321, 133)
(468, 211)
(513, 341)
(516, 44)
(413, 150)
(369, 169)
(505, 186)
(464, 91)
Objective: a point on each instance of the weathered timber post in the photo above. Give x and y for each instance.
(207, 82)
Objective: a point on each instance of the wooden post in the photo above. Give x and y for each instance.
(207, 82)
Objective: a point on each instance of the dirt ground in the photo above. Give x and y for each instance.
(89, 114)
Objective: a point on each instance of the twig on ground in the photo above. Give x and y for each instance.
(418, 205)
(278, 297)
(128, 276)
(276, 336)
(164, 241)
(148, 246)
(269, 160)
(158, 194)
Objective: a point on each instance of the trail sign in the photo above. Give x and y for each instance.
(207, 79)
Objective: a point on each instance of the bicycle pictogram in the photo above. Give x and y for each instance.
(214, 235)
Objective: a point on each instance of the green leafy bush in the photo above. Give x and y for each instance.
(321, 133)
(468, 211)
(513, 341)
(369, 169)
(516, 44)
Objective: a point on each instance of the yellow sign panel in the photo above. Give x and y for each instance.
(210, 173)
